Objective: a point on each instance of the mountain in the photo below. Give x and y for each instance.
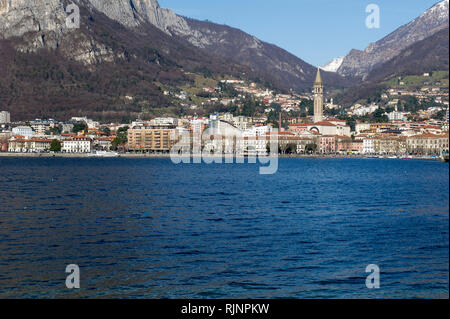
(333, 65)
(125, 48)
(50, 70)
(220, 40)
(425, 56)
(430, 54)
(359, 63)
(259, 55)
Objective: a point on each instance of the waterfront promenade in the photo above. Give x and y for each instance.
(140, 155)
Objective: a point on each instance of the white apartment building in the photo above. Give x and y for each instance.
(5, 117)
(25, 131)
(257, 131)
(241, 122)
(361, 127)
(163, 121)
(39, 129)
(397, 116)
(76, 145)
(255, 145)
(365, 110)
(368, 146)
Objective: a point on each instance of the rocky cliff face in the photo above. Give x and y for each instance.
(132, 13)
(18, 17)
(37, 24)
(42, 24)
(360, 63)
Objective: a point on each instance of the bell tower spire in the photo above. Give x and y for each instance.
(318, 97)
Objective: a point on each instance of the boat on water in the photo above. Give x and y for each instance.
(406, 157)
(444, 156)
(393, 157)
(103, 154)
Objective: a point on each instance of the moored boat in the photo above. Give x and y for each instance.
(104, 154)
(444, 156)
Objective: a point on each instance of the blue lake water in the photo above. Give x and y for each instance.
(147, 228)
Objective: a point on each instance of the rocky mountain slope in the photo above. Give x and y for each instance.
(428, 55)
(360, 63)
(257, 54)
(50, 70)
(219, 40)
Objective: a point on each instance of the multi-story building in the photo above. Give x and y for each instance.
(256, 145)
(346, 145)
(361, 111)
(162, 121)
(22, 145)
(241, 122)
(258, 130)
(39, 129)
(76, 144)
(289, 142)
(5, 117)
(368, 146)
(198, 125)
(327, 144)
(144, 138)
(304, 142)
(390, 145)
(429, 144)
(397, 116)
(343, 144)
(25, 131)
(103, 143)
(361, 127)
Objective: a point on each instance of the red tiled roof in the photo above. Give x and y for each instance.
(324, 124)
(279, 133)
(430, 136)
(22, 140)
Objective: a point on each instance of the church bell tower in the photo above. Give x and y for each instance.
(318, 98)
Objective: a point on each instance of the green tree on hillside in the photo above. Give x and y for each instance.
(379, 116)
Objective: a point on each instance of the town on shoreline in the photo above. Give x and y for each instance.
(321, 132)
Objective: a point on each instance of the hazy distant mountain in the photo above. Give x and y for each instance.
(333, 65)
(360, 63)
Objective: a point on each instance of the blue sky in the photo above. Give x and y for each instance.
(314, 30)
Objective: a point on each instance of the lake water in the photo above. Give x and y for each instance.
(147, 228)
